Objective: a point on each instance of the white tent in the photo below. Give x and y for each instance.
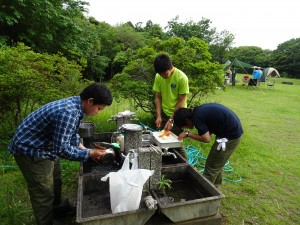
(271, 72)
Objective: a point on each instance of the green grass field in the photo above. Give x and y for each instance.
(268, 159)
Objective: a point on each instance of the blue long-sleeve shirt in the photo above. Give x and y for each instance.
(51, 132)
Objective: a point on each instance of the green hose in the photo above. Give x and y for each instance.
(197, 159)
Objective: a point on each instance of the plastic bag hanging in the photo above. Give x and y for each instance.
(126, 185)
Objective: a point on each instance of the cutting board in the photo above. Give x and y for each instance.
(167, 142)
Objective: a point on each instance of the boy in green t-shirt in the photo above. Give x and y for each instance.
(171, 86)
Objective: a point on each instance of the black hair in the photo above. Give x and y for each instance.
(162, 63)
(181, 115)
(99, 92)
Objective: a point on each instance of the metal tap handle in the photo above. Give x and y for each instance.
(112, 118)
(165, 150)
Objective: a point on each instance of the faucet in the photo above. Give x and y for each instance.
(167, 153)
(112, 118)
(133, 118)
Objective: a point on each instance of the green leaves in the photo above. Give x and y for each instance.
(164, 183)
(192, 57)
(287, 57)
(29, 79)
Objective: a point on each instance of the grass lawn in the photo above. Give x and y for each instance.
(268, 159)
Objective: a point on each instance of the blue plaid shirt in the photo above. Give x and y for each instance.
(51, 132)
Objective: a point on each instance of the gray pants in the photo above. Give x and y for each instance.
(217, 159)
(44, 184)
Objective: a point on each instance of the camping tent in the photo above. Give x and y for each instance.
(227, 64)
(271, 72)
(240, 64)
(237, 63)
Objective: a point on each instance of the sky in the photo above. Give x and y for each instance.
(261, 23)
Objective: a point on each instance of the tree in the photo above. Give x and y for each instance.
(105, 46)
(136, 79)
(134, 82)
(150, 31)
(55, 26)
(191, 29)
(220, 42)
(286, 58)
(128, 38)
(154, 31)
(96, 67)
(29, 79)
(44, 25)
(221, 45)
(246, 54)
(252, 55)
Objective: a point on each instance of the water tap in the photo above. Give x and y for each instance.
(134, 119)
(167, 153)
(112, 118)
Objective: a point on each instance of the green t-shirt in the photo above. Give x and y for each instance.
(170, 89)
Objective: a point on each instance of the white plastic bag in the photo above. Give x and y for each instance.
(126, 186)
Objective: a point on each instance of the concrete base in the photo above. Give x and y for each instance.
(93, 204)
(194, 196)
(161, 219)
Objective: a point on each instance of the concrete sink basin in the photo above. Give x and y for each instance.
(93, 205)
(194, 196)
